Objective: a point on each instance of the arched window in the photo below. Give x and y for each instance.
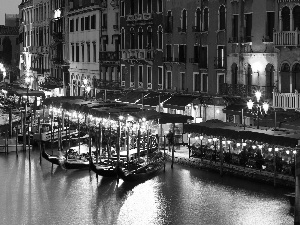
(296, 17)
(296, 68)
(159, 37)
(285, 16)
(183, 20)
(132, 41)
(285, 67)
(222, 18)
(149, 38)
(205, 20)
(198, 19)
(140, 38)
(234, 75)
(123, 38)
(169, 27)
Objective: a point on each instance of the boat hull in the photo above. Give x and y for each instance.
(76, 164)
(51, 158)
(104, 170)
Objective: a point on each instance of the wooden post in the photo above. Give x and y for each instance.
(297, 190)
(69, 133)
(90, 148)
(17, 141)
(6, 143)
(78, 136)
(128, 145)
(164, 152)
(52, 133)
(58, 135)
(29, 138)
(24, 132)
(274, 163)
(100, 140)
(10, 123)
(173, 146)
(40, 144)
(138, 144)
(221, 157)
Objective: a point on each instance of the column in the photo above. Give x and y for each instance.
(291, 82)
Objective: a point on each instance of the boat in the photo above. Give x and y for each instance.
(291, 197)
(80, 164)
(55, 159)
(104, 169)
(143, 171)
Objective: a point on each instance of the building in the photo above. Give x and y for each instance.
(9, 51)
(88, 35)
(12, 20)
(142, 44)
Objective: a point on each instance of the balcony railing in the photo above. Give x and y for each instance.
(286, 100)
(109, 56)
(194, 60)
(287, 38)
(196, 28)
(219, 63)
(182, 29)
(246, 90)
(99, 83)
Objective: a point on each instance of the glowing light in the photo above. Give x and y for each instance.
(257, 95)
(196, 137)
(201, 137)
(270, 149)
(265, 107)
(88, 88)
(121, 117)
(276, 149)
(250, 104)
(228, 142)
(287, 152)
(238, 144)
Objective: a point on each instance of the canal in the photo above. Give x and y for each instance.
(32, 194)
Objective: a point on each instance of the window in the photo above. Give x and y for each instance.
(88, 48)
(183, 20)
(160, 77)
(296, 17)
(149, 75)
(220, 57)
(132, 44)
(182, 53)
(82, 52)
(159, 5)
(71, 25)
(94, 52)
(197, 82)
(93, 22)
(132, 7)
(235, 28)
(140, 74)
(270, 26)
(122, 10)
(198, 20)
(77, 52)
(140, 9)
(169, 52)
(285, 16)
(149, 38)
(131, 73)
(248, 27)
(123, 73)
(205, 20)
(159, 37)
(87, 23)
(204, 83)
(169, 26)
(168, 81)
(182, 81)
(104, 21)
(196, 53)
(77, 24)
(140, 38)
(72, 52)
(149, 6)
(221, 81)
(123, 38)
(203, 57)
(222, 18)
(82, 23)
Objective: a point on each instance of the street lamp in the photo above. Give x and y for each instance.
(259, 106)
(215, 145)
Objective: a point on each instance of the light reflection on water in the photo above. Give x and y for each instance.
(31, 193)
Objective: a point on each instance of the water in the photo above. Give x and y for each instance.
(32, 194)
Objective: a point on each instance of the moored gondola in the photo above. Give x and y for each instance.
(79, 164)
(55, 159)
(103, 169)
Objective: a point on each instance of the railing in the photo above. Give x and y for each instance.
(287, 38)
(219, 63)
(99, 83)
(243, 90)
(194, 60)
(195, 28)
(286, 100)
(182, 29)
(109, 56)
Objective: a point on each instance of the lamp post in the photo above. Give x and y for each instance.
(215, 145)
(259, 106)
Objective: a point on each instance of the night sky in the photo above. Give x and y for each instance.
(8, 7)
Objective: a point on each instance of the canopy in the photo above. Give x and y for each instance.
(179, 101)
(281, 137)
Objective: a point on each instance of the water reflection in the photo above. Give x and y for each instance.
(41, 194)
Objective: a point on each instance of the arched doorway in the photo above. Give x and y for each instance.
(270, 83)
(285, 78)
(296, 77)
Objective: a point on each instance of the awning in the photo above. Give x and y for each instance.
(133, 96)
(281, 137)
(152, 100)
(237, 110)
(30, 93)
(179, 101)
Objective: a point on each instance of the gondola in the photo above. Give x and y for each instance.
(76, 164)
(141, 172)
(103, 170)
(55, 159)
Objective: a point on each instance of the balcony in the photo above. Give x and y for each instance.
(286, 100)
(168, 59)
(58, 36)
(194, 60)
(138, 17)
(116, 27)
(114, 3)
(150, 55)
(195, 29)
(287, 38)
(130, 18)
(147, 16)
(106, 84)
(109, 57)
(246, 90)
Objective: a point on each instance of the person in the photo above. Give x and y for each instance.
(170, 137)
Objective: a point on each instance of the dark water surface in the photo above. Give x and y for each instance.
(31, 193)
